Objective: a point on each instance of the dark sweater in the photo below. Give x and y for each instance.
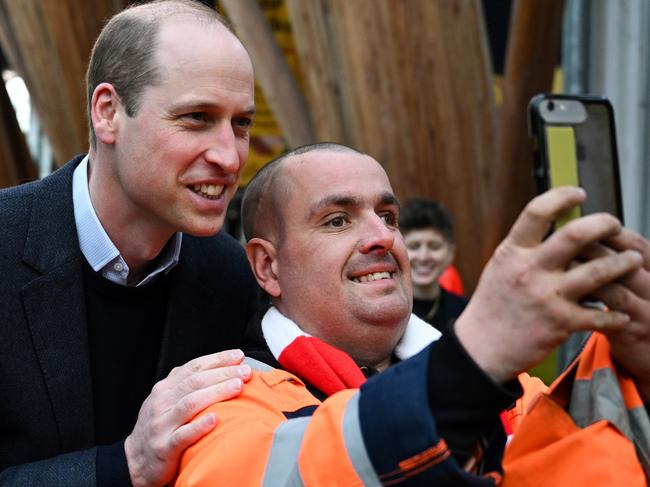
(449, 307)
(125, 327)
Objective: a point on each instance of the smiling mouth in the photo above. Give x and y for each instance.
(375, 276)
(209, 191)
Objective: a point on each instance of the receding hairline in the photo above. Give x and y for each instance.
(166, 13)
(163, 10)
(126, 50)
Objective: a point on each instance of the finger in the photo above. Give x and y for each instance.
(637, 281)
(618, 297)
(589, 319)
(593, 251)
(188, 434)
(533, 223)
(191, 404)
(211, 377)
(572, 238)
(629, 239)
(587, 277)
(215, 360)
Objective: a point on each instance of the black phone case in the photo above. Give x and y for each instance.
(540, 157)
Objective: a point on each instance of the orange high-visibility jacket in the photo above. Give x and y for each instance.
(589, 429)
(262, 439)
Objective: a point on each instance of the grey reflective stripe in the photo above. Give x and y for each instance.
(355, 446)
(257, 365)
(282, 467)
(641, 430)
(601, 398)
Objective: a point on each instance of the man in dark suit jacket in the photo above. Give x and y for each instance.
(113, 280)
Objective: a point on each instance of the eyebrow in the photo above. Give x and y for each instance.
(200, 105)
(346, 200)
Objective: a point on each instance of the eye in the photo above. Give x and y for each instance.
(243, 122)
(389, 218)
(195, 118)
(336, 222)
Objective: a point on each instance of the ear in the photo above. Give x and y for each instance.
(262, 259)
(103, 112)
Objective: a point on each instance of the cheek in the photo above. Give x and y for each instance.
(242, 151)
(441, 256)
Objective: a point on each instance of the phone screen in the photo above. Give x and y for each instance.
(597, 168)
(579, 149)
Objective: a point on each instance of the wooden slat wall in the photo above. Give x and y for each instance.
(408, 82)
(531, 58)
(318, 59)
(416, 94)
(48, 42)
(271, 70)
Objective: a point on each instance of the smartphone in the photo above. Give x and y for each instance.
(575, 144)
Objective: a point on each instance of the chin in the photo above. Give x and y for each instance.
(391, 316)
(424, 284)
(203, 229)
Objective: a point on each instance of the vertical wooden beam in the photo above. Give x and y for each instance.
(417, 94)
(272, 71)
(312, 38)
(48, 43)
(532, 55)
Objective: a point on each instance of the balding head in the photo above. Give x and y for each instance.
(323, 242)
(124, 53)
(270, 189)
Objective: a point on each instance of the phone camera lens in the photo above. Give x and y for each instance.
(550, 106)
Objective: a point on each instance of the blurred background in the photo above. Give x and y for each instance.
(436, 90)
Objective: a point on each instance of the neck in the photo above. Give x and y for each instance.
(384, 364)
(138, 239)
(430, 292)
(370, 344)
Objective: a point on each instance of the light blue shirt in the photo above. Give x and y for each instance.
(97, 247)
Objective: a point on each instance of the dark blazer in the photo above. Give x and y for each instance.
(46, 404)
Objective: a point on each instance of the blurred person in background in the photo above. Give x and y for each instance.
(428, 231)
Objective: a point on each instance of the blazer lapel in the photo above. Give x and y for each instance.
(55, 308)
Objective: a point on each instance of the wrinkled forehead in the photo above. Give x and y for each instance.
(323, 180)
(320, 173)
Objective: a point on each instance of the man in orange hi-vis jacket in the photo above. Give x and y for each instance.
(323, 242)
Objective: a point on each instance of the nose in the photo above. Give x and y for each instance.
(377, 236)
(222, 149)
(420, 252)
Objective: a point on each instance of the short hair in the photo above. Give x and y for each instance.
(265, 193)
(424, 213)
(124, 52)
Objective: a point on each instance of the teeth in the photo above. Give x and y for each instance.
(208, 190)
(372, 277)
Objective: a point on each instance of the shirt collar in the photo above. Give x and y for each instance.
(95, 244)
(279, 331)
